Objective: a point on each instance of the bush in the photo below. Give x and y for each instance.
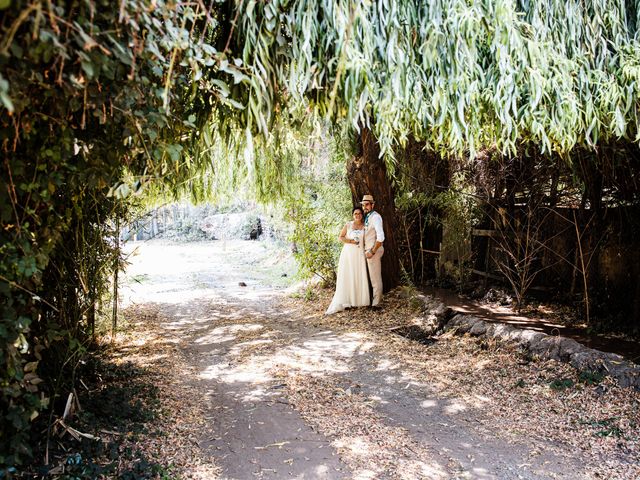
(318, 210)
(86, 118)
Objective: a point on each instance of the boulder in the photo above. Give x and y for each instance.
(433, 314)
(461, 323)
(478, 329)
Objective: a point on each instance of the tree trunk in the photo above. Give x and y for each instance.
(368, 175)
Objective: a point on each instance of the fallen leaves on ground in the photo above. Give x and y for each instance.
(176, 433)
(505, 393)
(370, 447)
(511, 396)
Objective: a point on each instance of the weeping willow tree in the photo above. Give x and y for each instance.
(100, 102)
(457, 76)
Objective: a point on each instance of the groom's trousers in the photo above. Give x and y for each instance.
(375, 275)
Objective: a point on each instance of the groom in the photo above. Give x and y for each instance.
(373, 238)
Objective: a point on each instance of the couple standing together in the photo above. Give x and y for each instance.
(362, 252)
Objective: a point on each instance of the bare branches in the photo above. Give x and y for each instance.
(521, 241)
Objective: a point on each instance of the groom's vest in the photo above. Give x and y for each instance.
(370, 233)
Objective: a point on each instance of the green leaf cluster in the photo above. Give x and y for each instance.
(317, 201)
(97, 101)
(460, 75)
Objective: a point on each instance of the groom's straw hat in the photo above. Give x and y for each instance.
(367, 198)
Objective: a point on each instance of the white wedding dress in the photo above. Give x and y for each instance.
(352, 285)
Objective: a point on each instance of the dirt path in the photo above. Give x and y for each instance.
(288, 393)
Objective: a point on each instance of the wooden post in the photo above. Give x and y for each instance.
(116, 265)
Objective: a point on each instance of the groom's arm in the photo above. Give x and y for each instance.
(377, 225)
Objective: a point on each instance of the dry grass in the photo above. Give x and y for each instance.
(182, 423)
(510, 396)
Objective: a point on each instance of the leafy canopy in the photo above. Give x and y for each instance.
(459, 74)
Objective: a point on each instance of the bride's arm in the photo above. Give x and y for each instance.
(343, 235)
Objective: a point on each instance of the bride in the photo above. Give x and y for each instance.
(352, 285)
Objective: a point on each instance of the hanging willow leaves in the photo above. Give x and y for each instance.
(459, 75)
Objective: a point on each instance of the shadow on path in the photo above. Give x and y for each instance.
(288, 397)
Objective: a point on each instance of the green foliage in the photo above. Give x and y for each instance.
(309, 294)
(605, 427)
(590, 377)
(460, 75)
(300, 171)
(459, 210)
(454, 210)
(318, 209)
(561, 384)
(188, 230)
(315, 245)
(97, 102)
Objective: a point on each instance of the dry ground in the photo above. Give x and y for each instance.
(257, 383)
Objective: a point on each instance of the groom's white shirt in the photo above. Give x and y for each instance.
(375, 220)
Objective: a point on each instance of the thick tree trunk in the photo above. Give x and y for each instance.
(368, 175)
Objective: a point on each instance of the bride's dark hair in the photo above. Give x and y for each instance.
(357, 207)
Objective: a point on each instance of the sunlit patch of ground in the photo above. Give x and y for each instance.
(264, 345)
(508, 395)
(166, 272)
(370, 447)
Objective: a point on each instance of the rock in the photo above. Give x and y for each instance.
(433, 313)
(587, 360)
(256, 231)
(461, 323)
(627, 377)
(479, 328)
(502, 331)
(546, 348)
(529, 336)
(567, 347)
